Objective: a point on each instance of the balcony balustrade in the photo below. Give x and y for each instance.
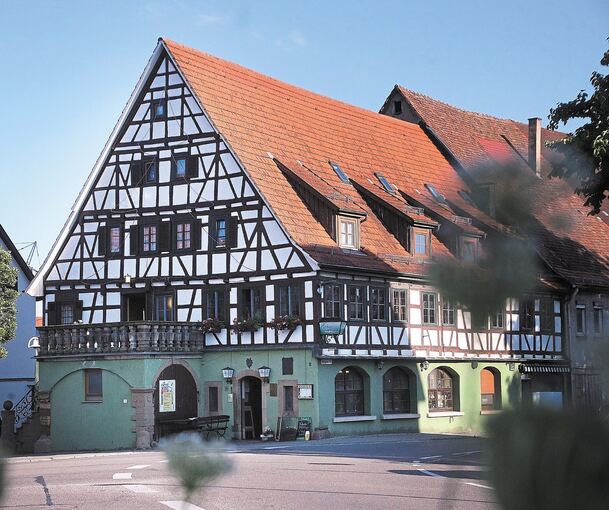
(120, 337)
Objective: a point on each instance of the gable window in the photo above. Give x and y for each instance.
(598, 319)
(348, 235)
(251, 302)
(163, 307)
(396, 392)
(149, 238)
(115, 239)
(332, 301)
(183, 236)
(527, 314)
(580, 319)
(490, 384)
(440, 393)
(378, 304)
(469, 249)
(397, 107)
(93, 385)
(349, 393)
(399, 305)
(339, 171)
(158, 109)
(214, 305)
(289, 301)
(448, 312)
(546, 314)
(355, 302)
(67, 313)
(220, 229)
(150, 171)
(430, 300)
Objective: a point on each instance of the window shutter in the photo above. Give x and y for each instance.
(136, 173)
(51, 314)
(196, 234)
(134, 240)
(102, 237)
(192, 167)
(165, 236)
(78, 311)
(233, 226)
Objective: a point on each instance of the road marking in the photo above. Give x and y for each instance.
(140, 489)
(430, 457)
(121, 476)
(467, 453)
(139, 466)
(274, 447)
(180, 505)
(166, 460)
(479, 485)
(430, 473)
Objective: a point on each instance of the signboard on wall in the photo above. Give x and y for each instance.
(305, 392)
(167, 395)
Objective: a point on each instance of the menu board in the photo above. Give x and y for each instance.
(167, 395)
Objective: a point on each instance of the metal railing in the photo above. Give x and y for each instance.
(120, 337)
(25, 407)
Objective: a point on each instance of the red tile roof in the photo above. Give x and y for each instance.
(575, 244)
(257, 114)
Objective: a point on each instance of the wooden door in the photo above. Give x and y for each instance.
(185, 401)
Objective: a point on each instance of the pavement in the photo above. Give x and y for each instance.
(409, 471)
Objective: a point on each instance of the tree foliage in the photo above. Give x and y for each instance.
(586, 151)
(8, 297)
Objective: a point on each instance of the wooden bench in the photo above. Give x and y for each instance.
(208, 424)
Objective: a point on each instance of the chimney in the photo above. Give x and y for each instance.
(535, 145)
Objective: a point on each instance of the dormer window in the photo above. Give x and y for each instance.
(158, 109)
(468, 249)
(339, 171)
(383, 180)
(421, 242)
(436, 194)
(348, 233)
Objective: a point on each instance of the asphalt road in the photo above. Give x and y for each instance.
(406, 471)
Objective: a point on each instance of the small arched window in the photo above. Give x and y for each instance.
(441, 391)
(349, 393)
(490, 396)
(396, 391)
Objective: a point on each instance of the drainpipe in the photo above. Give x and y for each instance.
(567, 329)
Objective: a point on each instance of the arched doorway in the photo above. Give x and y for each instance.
(251, 407)
(175, 400)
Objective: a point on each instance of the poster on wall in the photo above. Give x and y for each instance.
(167, 395)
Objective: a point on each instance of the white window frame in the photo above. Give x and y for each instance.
(340, 221)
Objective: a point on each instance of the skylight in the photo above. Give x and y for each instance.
(339, 171)
(465, 196)
(383, 180)
(436, 194)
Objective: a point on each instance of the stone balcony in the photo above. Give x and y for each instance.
(121, 337)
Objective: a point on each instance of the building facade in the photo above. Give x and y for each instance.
(246, 248)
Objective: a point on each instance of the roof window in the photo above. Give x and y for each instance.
(436, 194)
(339, 171)
(465, 196)
(383, 180)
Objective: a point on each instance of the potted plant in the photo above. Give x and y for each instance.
(251, 324)
(212, 325)
(267, 434)
(285, 322)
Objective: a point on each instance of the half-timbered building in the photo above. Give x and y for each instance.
(247, 248)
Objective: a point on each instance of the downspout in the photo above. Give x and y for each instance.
(569, 301)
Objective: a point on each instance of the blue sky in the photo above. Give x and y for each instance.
(69, 68)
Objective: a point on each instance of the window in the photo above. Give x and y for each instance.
(179, 168)
(158, 109)
(251, 304)
(213, 401)
(149, 238)
(378, 304)
(580, 319)
(115, 239)
(289, 301)
(348, 233)
(288, 399)
(355, 303)
(383, 180)
(546, 314)
(396, 392)
(214, 305)
(598, 319)
(349, 393)
(397, 107)
(150, 172)
(339, 171)
(399, 305)
(287, 366)
(527, 315)
(440, 392)
(436, 194)
(332, 301)
(429, 307)
(421, 242)
(183, 236)
(93, 385)
(163, 307)
(497, 320)
(448, 313)
(469, 249)
(67, 313)
(485, 195)
(490, 384)
(220, 232)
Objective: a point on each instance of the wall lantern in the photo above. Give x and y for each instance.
(228, 373)
(264, 373)
(424, 365)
